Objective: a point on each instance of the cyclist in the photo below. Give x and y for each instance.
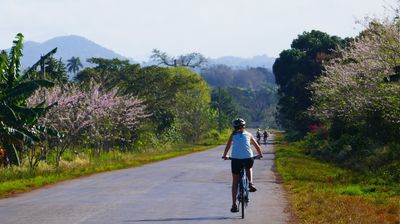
(265, 134)
(242, 155)
(258, 136)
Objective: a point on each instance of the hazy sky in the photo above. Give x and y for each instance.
(212, 27)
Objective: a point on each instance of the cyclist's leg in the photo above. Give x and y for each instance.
(249, 173)
(235, 182)
(236, 166)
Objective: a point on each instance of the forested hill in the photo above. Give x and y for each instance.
(224, 76)
(250, 93)
(238, 62)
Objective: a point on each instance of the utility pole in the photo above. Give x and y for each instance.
(219, 110)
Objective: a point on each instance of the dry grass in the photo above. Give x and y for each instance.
(325, 207)
(323, 193)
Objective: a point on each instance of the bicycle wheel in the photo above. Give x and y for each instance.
(242, 198)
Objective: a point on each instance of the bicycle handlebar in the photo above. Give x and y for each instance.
(254, 157)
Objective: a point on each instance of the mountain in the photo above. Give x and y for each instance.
(77, 46)
(67, 47)
(238, 62)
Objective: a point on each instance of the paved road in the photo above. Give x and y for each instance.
(188, 189)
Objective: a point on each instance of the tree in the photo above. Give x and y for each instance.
(295, 69)
(252, 104)
(221, 99)
(193, 115)
(360, 88)
(174, 95)
(192, 60)
(74, 65)
(109, 73)
(53, 70)
(56, 70)
(103, 118)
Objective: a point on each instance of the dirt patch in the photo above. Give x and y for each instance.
(293, 219)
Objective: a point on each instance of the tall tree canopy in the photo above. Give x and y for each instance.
(295, 69)
(177, 98)
(361, 87)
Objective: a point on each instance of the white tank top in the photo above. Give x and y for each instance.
(241, 147)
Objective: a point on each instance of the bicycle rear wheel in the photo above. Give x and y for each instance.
(242, 200)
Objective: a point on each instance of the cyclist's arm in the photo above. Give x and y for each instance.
(228, 146)
(257, 146)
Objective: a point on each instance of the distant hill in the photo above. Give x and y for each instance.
(68, 46)
(238, 62)
(77, 46)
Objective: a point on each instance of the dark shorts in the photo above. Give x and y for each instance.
(237, 164)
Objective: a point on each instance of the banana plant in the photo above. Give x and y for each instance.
(18, 122)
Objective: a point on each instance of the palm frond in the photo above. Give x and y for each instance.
(3, 67)
(15, 59)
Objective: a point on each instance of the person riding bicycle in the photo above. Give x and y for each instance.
(265, 134)
(258, 135)
(241, 155)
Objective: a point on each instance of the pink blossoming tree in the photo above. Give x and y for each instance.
(362, 82)
(93, 117)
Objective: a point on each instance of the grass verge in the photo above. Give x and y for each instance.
(19, 180)
(324, 193)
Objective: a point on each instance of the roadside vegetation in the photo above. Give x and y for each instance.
(339, 102)
(322, 192)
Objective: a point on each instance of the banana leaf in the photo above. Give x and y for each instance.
(26, 89)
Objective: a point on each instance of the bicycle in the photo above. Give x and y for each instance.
(258, 136)
(243, 189)
(265, 137)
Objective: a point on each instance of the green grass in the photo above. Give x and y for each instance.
(20, 179)
(324, 193)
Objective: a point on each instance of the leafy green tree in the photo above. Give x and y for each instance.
(49, 68)
(74, 65)
(56, 70)
(252, 104)
(295, 69)
(176, 97)
(109, 73)
(221, 98)
(361, 88)
(192, 111)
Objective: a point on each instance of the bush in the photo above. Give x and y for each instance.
(357, 153)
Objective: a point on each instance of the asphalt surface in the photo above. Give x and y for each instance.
(188, 189)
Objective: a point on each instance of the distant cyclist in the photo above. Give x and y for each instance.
(258, 135)
(265, 134)
(242, 155)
